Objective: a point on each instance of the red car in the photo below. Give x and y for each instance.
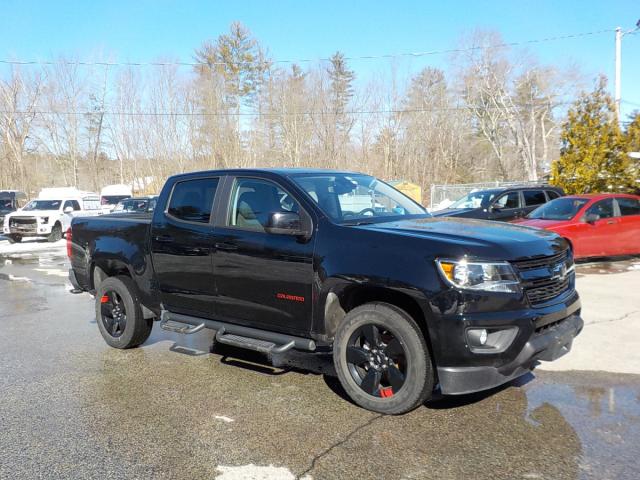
(598, 225)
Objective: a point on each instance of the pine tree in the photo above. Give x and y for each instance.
(592, 155)
(341, 86)
(632, 140)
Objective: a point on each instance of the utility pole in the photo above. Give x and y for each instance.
(619, 34)
(618, 69)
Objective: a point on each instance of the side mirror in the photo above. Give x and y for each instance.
(68, 210)
(591, 218)
(285, 223)
(493, 208)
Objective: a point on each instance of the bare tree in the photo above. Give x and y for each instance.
(19, 97)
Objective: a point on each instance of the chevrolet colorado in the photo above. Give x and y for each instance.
(341, 262)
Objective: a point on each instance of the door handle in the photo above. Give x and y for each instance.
(609, 222)
(226, 246)
(163, 238)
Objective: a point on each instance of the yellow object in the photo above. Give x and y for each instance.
(411, 190)
(447, 269)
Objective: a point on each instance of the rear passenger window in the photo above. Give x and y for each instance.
(192, 200)
(510, 200)
(628, 206)
(534, 197)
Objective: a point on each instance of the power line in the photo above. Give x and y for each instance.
(265, 114)
(308, 60)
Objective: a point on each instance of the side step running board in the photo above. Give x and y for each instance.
(261, 346)
(263, 341)
(178, 327)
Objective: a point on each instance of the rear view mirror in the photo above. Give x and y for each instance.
(285, 223)
(591, 218)
(68, 210)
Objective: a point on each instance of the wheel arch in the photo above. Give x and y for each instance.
(344, 298)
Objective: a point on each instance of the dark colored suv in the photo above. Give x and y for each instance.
(10, 201)
(503, 204)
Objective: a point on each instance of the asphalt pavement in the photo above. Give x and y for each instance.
(71, 407)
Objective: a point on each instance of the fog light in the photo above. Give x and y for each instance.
(492, 340)
(477, 336)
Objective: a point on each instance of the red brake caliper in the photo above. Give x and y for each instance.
(104, 299)
(386, 392)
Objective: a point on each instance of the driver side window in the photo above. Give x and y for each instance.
(254, 200)
(603, 209)
(508, 200)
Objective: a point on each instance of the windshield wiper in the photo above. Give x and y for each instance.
(358, 223)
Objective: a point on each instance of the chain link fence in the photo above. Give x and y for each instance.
(444, 195)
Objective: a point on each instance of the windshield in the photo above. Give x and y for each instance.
(43, 205)
(475, 199)
(559, 209)
(356, 198)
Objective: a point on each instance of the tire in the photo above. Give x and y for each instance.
(14, 238)
(56, 234)
(396, 331)
(117, 303)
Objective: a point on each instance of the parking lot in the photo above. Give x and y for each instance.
(70, 406)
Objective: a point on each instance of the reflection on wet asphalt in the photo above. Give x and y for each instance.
(72, 407)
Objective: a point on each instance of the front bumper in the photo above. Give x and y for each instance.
(548, 344)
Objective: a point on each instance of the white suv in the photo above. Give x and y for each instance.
(49, 217)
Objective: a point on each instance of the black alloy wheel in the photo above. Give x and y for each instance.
(119, 313)
(376, 360)
(382, 359)
(113, 313)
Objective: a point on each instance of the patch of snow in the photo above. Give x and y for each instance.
(52, 271)
(256, 472)
(13, 278)
(224, 419)
(31, 245)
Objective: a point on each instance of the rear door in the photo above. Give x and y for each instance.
(506, 206)
(263, 279)
(181, 247)
(532, 200)
(629, 231)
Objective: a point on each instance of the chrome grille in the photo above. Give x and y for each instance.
(23, 224)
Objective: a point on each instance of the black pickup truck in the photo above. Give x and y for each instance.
(331, 261)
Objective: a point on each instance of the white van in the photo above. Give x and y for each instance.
(111, 195)
(50, 214)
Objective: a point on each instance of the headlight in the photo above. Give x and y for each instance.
(485, 276)
(44, 219)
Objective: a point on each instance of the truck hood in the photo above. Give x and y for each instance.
(35, 213)
(479, 238)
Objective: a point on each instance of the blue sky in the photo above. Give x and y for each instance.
(146, 30)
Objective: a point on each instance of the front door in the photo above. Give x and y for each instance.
(263, 280)
(506, 207)
(600, 237)
(181, 248)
